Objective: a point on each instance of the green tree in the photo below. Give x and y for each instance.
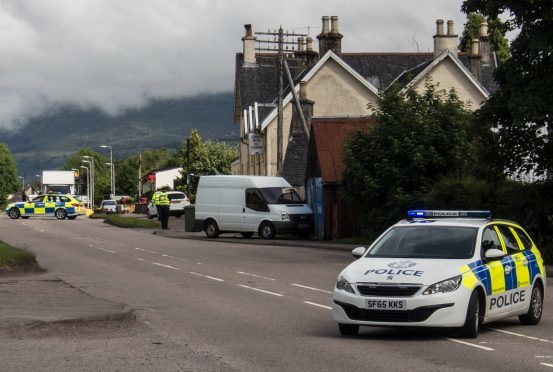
(418, 139)
(521, 110)
(126, 176)
(102, 173)
(9, 182)
(497, 30)
(156, 159)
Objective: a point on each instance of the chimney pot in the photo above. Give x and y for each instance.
(301, 44)
(248, 28)
(334, 25)
(475, 46)
(309, 43)
(325, 25)
(483, 31)
(248, 42)
(440, 27)
(450, 31)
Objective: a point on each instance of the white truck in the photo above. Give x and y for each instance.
(250, 204)
(58, 181)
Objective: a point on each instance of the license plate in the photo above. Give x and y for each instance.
(387, 304)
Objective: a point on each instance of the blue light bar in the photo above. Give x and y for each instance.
(421, 213)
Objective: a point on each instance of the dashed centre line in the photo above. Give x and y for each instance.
(254, 275)
(520, 335)
(207, 276)
(261, 290)
(167, 266)
(311, 288)
(470, 344)
(547, 365)
(318, 305)
(106, 250)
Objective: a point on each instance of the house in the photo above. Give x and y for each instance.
(334, 217)
(340, 84)
(158, 178)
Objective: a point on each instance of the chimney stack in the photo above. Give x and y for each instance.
(330, 39)
(475, 46)
(444, 42)
(249, 46)
(484, 50)
(474, 58)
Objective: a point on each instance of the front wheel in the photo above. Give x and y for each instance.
(14, 213)
(472, 320)
(348, 329)
(211, 229)
(533, 316)
(60, 214)
(267, 230)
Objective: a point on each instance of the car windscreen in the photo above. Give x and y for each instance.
(176, 196)
(450, 242)
(280, 195)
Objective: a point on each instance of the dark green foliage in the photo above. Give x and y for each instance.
(496, 32)
(102, 173)
(523, 105)
(418, 139)
(9, 183)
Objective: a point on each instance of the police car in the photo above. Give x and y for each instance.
(442, 269)
(60, 206)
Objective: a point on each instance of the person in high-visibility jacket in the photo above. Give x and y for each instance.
(163, 200)
(155, 202)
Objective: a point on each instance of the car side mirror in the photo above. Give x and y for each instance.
(494, 254)
(359, 252)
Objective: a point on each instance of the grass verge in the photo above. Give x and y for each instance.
(132, 222)
(15, 260)
(98, 216)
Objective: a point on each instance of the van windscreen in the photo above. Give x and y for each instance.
(280, 195)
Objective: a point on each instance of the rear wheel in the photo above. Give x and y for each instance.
(60, 213)
(14, 213)
(267, 230)
(533, 316)
(211, 229)
(348, 329)
(472, 320)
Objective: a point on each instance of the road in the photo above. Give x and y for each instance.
(209, 305)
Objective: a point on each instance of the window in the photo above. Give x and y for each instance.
(280, 195)
(490, 240)
(524, 239)
(38, 198)
(52, 198)
(510, 241)
(64, 199)
(255, 201)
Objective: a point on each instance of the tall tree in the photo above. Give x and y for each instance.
(497, 30)
(521, 110)
(9, 182)
(418, 139)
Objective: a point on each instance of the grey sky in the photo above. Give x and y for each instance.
(117, 54)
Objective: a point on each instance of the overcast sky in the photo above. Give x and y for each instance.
(118, 54)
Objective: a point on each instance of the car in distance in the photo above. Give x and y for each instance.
(456, 269)
(58, 205)
(178, 201)
(108, 206)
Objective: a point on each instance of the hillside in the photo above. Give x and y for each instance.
(45, 142)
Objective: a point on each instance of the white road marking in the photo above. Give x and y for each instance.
(167, 266)
(79, 238)
(319, 305)
(139, 249)
(311, 288)
(261, 290)
(255, 276)
(547, 365)
(40, 230)
(139, 259)
(90, 245)
(520, 335)
(106, 250)
(207, 276)
(469, 344)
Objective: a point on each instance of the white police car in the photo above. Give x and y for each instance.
(442, 269)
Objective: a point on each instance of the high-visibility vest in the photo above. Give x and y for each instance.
(155, 198)
(163, 199)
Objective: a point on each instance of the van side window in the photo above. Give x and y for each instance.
(255, 201)
(509, 239)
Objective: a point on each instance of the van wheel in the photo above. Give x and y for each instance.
(60, 213)
(14, 213)
(247, 235)
(472, 321)
(211, 229)
(267, 230)
(533, 316)
(348, 329)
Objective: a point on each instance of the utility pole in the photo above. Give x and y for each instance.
(139, 176)
(188, 166)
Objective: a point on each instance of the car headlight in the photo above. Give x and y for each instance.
(285, 216)
(344, 285)
(448, 285)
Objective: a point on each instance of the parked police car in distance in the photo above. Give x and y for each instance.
(60, 206)
(442, 269)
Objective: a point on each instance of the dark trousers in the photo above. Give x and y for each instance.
(158, 213)
(164, 216)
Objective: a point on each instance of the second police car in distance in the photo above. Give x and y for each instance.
(60, 206)
(442, 269)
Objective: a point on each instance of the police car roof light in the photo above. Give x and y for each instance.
(421, 213)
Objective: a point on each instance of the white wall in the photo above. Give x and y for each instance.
(167, 177)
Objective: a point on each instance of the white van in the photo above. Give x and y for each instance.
(250, 204)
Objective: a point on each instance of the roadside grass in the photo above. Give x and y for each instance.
(98, 216)
(130, 222)
(14, 259)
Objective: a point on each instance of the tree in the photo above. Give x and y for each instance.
(9, 182)
(497, 30)
(102, 172)
(521, 110)
(418, 139)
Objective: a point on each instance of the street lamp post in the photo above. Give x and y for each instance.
(112, 169)
(88, 191)
(22, 183)
(38, 183)
(90, 180)
(91, 177)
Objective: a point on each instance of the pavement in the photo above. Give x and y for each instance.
(28, 301)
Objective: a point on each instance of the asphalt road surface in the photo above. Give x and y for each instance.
(209, 305)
